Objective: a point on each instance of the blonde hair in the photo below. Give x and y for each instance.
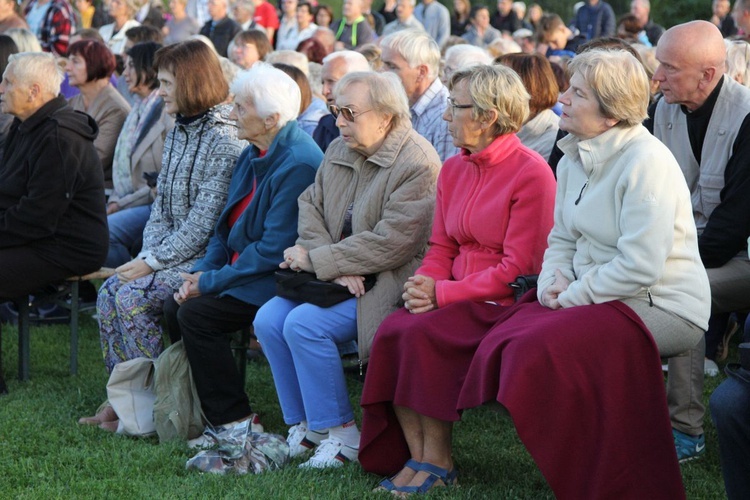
(618, 81)
(496, 88)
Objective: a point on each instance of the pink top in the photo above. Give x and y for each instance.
(493, 212)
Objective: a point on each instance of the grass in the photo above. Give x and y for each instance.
(45, 454)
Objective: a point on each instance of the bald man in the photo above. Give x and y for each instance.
(703, 118)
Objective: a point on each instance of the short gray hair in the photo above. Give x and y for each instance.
(271, 91)
(618, 81)
(416, 47)
(290, 57)
(738, 61)
(496, 88)
(463, 56)
(37, 67)
(354, 60)
(386, 93)
(25, 40)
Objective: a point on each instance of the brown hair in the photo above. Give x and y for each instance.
(200, 84)
(257, 38)
(548, 24)
(302, 82)
(537, 76)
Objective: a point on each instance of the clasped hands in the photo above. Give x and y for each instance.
(419, 294)
(189, 288)
(551, 293)
(297, 258)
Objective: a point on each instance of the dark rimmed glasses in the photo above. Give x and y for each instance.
(348, 113)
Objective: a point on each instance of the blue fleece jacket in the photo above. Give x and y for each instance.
(268, 225)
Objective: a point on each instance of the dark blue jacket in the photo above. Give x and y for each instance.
(268, 225)
(595, 21)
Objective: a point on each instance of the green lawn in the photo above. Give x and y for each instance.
(45, 454)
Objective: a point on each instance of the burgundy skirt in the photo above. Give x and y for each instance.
(418, 361)
(585, 390)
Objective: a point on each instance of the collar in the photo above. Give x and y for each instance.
(425, 99)
(187, 120)
(384, 157)
(599, 150)
(42, 114)
(261, 164)
(494, 155)
(707, 107)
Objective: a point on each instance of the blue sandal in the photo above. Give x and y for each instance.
(387, 483)
(447, 477)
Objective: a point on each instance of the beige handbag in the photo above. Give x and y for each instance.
(130, 391)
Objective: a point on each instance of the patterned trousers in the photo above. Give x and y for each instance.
(130, 318)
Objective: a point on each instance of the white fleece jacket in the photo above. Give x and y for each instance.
(624, 226)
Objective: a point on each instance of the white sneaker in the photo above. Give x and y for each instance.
(710, 368)
(209, 437)
(331, 453)
(301, 440)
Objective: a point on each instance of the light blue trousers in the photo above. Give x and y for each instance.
(300, 341)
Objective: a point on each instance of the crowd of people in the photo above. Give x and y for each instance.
(422, 159)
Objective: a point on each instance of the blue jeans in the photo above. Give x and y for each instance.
(126, 234)
(300, 341)
(730, 411)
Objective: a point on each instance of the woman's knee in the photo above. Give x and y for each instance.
(269, 321)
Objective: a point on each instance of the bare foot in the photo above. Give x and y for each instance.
(107, 414)
(110, 426)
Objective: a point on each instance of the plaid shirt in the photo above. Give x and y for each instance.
(427, 119)
(58, 25)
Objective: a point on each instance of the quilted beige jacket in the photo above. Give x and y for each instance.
(393, 192)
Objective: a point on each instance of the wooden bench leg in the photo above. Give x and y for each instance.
(74, 305)
(24, 349)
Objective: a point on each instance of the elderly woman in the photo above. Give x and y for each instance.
(368, 212)
(622, 282)
(226, 287)
(199, 154)
(123, 13)
(138, 156)
(540, 130)
(311, 109)
(494, 209)
(250, 47)
(89, 67)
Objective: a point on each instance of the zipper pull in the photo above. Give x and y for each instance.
(650, 299)
(581, 193)
(360, 367)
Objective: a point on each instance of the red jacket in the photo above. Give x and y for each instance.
(493, 212)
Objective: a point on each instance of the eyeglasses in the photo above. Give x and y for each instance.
(346, 112)
(454, 106)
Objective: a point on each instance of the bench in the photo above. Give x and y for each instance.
(60, 298)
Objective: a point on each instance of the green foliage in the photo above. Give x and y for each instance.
(45, 454)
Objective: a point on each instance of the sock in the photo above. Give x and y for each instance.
(347, 434)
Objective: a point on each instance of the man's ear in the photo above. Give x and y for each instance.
(707, 76)
(35, 90)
